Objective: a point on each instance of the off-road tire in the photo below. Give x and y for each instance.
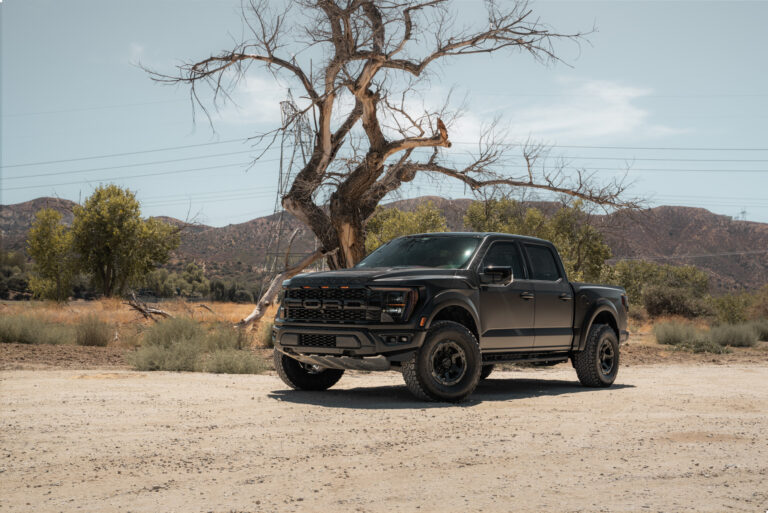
(296, 375)
(421, 376)
(486, 371)
(590, 364)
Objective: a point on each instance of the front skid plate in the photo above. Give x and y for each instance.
(368, 363)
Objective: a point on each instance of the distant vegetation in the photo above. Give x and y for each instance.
(73, 263)
(109, 243)
(389, 223)
(715, 340)
(14, 278)
(581, 247)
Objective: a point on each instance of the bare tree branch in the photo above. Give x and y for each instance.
(369, 135)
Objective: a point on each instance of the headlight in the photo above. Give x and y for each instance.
(397, 303)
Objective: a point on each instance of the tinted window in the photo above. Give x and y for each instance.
(505, 254)
(443, 252)
(543, 263)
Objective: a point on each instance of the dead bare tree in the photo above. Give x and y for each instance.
(369, 139)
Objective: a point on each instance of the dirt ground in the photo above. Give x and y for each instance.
(642, 350)
(665, 438)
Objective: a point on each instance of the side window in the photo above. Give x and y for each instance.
(543, 263)
(505, 254)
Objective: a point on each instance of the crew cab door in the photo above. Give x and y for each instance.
(554, 299)
(506, 309)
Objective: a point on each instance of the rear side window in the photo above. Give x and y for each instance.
(543, 263)
(505, 254)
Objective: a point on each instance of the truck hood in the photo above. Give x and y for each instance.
(372, 276)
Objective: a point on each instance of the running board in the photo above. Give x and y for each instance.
(525, 357)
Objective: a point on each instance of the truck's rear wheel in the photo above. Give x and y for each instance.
(447, 366)
(302, 376)
(598, 364)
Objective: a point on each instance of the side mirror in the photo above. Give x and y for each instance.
(496, 274)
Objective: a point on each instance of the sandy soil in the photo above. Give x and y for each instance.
(665, 438)
(641, 351)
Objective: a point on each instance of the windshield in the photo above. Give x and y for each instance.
(441, 252)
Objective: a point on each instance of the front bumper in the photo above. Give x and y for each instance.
(365, 363)
(624, 336)
(390, 341)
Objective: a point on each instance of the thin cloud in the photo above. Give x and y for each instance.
(594, 109)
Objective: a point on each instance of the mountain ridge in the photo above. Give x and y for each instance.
(724, 247)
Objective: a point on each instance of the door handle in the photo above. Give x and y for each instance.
(565, 297)
(527, 295)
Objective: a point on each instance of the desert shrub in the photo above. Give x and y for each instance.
(732, 308)
(232, 361)
(703, 345)
(92, 331)
(742, 335)
(172, 344)
(170, 331)
(24, 329)
(637, 313)
(662, 300)
(761, 329)
(181, 355)
(759, 308)
(686, 338)
(225, 337)
(675, 333)
(264, 337)
(183, 345)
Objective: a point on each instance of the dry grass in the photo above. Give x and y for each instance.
(115, 311)
(129, 324)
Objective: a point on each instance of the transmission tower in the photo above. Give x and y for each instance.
(295, 147)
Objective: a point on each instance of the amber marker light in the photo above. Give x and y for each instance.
(422, 322)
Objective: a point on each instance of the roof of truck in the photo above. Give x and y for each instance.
(480, 235)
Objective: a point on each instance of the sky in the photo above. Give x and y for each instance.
(674, 91)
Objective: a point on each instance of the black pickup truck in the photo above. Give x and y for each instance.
(444, 308)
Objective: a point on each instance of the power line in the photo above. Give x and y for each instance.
(124, 166)
(566, 157)
(217, 200)
(667, 148)
(125, 177)
(62, 111)
(169, 148)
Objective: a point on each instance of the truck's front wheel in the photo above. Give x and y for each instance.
(598, 364)
(447, 366)
(302, 376)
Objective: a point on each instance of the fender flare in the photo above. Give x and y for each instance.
(448, 299)
(602, 305)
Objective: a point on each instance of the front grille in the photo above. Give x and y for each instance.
(314, 340)
(331, 305)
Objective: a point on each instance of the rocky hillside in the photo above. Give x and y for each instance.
(727, 249)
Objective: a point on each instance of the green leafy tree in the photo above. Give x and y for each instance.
(50, 245)
(389, 223)
(641, 278)
(581, 247)
(114, 244)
